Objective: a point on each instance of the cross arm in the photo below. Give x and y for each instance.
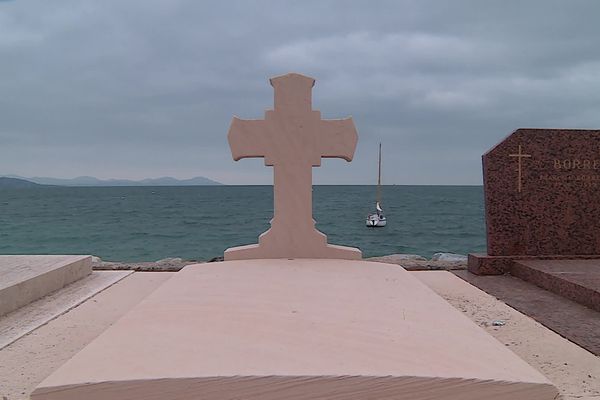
(247, 138)
(338, 138)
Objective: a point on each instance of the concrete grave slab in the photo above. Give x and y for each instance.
(307, 329)
(26, 278)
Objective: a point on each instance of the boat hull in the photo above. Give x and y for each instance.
(373, 221)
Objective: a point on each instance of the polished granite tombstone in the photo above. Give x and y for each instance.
(542, 198)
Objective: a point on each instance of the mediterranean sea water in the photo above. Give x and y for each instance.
(200, 222)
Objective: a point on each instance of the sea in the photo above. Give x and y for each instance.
(199, 222)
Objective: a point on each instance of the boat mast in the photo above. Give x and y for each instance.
(379, 178)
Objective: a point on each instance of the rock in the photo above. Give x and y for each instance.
(164, 265)
(169, 261)
(112, 266)
(451, 257)
(395, 258)
(216, 259)
(413, 262)
(96, 260)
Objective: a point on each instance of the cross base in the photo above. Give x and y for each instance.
(281, 244)
(256, 251)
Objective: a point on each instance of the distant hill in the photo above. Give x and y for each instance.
(91, 181)
(6, 182)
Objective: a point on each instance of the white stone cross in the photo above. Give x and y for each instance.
(292, 139)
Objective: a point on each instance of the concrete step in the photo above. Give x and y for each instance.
(577, 280)
(35, 314)
(26, 278)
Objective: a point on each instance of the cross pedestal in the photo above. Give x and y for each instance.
(292, 139)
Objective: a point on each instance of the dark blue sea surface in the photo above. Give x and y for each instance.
(198, 223)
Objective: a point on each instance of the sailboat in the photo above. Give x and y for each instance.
(377, 219)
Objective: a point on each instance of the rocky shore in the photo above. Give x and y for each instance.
(164, 265)
(411, 262)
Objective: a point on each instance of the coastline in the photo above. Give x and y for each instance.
(410, 262)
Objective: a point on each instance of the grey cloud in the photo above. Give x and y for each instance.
(147, 88)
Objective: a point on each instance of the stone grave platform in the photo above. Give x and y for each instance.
(26, 278)
(302, 329)
(484, 264)
(577, 323)
(577, 280)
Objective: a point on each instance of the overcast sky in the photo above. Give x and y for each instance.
(135, 89)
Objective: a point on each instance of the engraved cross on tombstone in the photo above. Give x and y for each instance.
(292, 139)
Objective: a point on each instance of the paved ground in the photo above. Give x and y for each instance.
(26, 362)
(29, 360)
(575, 322)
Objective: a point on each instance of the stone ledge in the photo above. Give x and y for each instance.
(35, 314)
(483, 264)
(577, 280)
(26, 278)
(303, 388)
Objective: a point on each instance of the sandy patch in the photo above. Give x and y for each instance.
(574, 371)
